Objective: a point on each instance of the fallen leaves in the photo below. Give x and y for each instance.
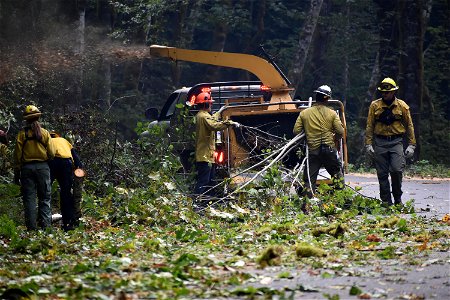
(423, 246)
(305, 250)
(373, 238)
(364, 296)
(334, 230)
(270, 256)
(202, 256)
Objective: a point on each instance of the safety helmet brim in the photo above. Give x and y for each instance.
(31, 116)
(387, 89)
(54, 134)
(322, 92)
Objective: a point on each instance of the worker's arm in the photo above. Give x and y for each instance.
(370, 125)
(298, 127)
(215, 125)
(337, 125)
(76, 159)
(409, 127)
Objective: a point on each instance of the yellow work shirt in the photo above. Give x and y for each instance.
(30, 150)
(320, 124)
(62, 147)
(402, 124)
(205, 127)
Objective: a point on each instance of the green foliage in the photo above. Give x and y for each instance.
(11, 202)
(335, 230)
(8, 228)
(435, 137)
(402, 225)
(157, 151)
(332, 297)
(387, 253)
(270, 256)
(355, 291)
(425, 168)
(306, 250)
(333, 201)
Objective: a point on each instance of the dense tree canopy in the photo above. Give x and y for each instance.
(73, 57)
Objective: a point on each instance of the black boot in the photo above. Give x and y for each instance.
(398, 202)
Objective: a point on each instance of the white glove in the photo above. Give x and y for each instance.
(235, 124)
(369, 150)
(409, 152)
(222, 109)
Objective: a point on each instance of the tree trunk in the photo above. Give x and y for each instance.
(304, 41)
(105, 15)
(371, 92)
(388, 18)
(187, 14)
(105, 89)
(79, 51)
(346, 58)
(257, 9)
(320, 42)
(411, 62)
(219, 38)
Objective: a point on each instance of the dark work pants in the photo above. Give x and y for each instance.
(205, 175)
(389, 160)
(61, 170)
(77, 192)
(325, 156)
(35, 179)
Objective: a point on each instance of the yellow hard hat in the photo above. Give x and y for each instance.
(388, 85)
(54, 133)
(31, 112)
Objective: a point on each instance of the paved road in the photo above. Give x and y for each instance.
(382, 279)
(431, 196)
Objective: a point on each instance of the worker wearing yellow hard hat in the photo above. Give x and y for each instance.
(33, 149)
(388, 122)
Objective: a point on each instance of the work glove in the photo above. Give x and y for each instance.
(409, 152)
(235, 124)
(17, 177)
(369, 150)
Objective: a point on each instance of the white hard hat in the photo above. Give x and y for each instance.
(324, 89)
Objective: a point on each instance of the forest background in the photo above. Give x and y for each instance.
(85, 64)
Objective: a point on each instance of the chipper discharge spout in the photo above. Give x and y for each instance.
(260, 67)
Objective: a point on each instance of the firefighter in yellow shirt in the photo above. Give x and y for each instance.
(61, 169)
(322, 126)
(206, 126)
(389, 119)
(33, 149)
